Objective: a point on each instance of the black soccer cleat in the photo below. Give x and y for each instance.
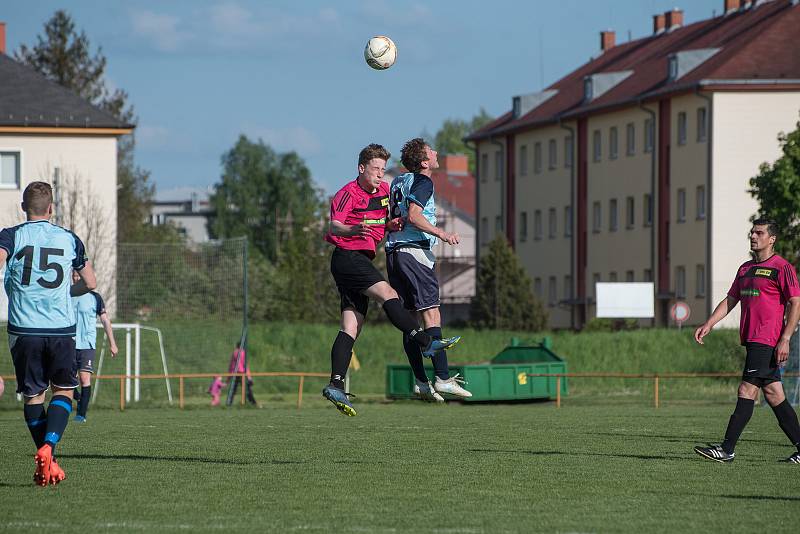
(714, 452)
(793, 459)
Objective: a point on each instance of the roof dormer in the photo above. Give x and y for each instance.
(595, 85)
(686, 61)
(521, 105)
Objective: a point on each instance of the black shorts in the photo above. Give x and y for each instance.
(760, 367)
(84, 359)
(354, 272)
(415, 282)
(40, 362)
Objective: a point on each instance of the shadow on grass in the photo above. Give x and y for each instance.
(9, 485)
(181, 459)
(579, 454)
(762, 498)
(679, 439)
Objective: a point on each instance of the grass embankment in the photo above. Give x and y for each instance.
(194, 347)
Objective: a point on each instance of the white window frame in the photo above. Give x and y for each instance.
(597, 146)
(700, 199)
(613, 143)
(523, 160)
(630, 139)
(20, 170)
(537, 157)
(682, 127)
(552, 223)
(702, 124)
(537, 225)
(700, 282)
(552, 154)
(680, 203)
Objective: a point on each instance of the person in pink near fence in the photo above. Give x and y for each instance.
(215, 389)
(239, 355)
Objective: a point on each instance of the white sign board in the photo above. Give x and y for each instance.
(623, 300)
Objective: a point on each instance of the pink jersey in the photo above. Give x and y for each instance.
(763, 289)
(232, 368)
(352, 205)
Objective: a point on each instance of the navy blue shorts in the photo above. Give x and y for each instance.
(40, 362)
(415, 282)
(84, 359)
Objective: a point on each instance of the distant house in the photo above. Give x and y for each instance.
(454, 190)
(187, 209)
(47, 133)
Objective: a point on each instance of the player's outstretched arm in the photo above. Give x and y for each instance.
(792, 318)
(722, 309)
(87, 282)
(346, 230)
(416, 218)
(106, 322)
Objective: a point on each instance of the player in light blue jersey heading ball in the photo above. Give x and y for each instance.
(40, 258)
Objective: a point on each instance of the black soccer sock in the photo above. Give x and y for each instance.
(741, 415)
(57, 418)
(787, 419)
(83, 404)
(341, 352)
(414, 355)
(36, 419)
(439, 358)
(403, 321)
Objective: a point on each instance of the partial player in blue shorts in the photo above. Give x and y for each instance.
(88, 308)
(40, 258)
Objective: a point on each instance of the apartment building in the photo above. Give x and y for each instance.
(635, 166)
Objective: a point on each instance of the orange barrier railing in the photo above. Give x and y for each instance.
(182, 377)
(656, 378)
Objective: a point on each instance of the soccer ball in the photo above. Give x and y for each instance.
(380, 52)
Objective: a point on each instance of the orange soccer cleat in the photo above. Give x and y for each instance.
(56, 473)
(44, 462)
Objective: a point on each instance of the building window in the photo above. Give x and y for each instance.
(648, 275)
(682, 128)
(648, 210)
(568, 151)
(612, 143)
(680, 282)
(630, 139)
(649, 135)
(498, 224)
(9, 170)
(552, 154)
(537, 158)
(498, 165)
(595, 280)
(612, 276)
(701, 281)
(484, 229)
(597, 218)
(537, 225)
(630, 215)
(537, 287)
(612, 215)
(681, 215)
(567, 221)
(484, 167)
(567, 287)
(702, 125)
(701, 202)
(552, 223)
(523, 226)
(597, 148)
(629, 276)
(552, 291)
(523, 160)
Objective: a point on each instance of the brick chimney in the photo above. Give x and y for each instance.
(730, 6)
(674, 19)
(658, 23)
(607, 40)
(2, 37)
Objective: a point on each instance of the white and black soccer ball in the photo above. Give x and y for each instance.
(380, 52)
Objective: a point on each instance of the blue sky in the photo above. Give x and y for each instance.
(292, 73)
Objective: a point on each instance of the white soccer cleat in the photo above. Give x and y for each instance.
(452, 386)
(426, 392)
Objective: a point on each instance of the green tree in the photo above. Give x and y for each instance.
(777, 190)
(63, 55)
(504, 298)
(450, 137)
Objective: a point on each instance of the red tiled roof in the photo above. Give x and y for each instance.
(452, 182)
(757, 45)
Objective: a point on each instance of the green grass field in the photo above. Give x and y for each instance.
(404, 467)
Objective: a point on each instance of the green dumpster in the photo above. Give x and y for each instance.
(505, 378)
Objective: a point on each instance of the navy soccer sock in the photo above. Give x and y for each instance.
(341, 352)
(787, 420)
(439, 358)
(414, 355)
(36, 419)
(404, 321)
(741, 415)
(57, 418)
(83, 404)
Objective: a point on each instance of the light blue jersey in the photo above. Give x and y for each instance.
(405, 189)
(41, 258)
(88, 307)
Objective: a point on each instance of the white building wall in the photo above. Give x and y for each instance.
(745, 130)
